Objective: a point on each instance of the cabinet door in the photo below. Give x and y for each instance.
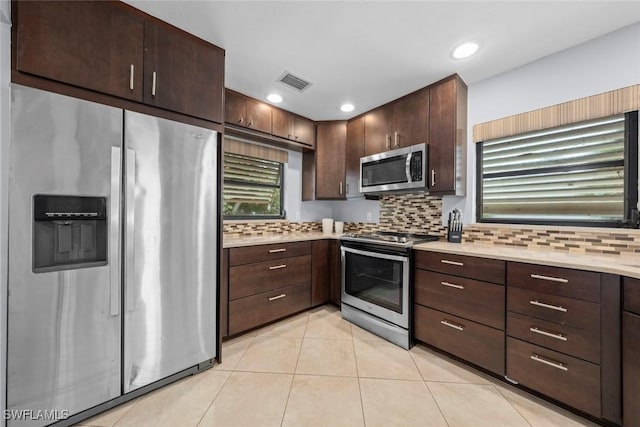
(630, 369)
(282, 123)
(442, 134)
(304, 131)
(235, 108)
(336, 272)
(377, 136)
(320, 272)
(258, 115)
(182, 73)
(224, 294)
(411, 118)
(354, 151)
(95, 45)
(330, 157)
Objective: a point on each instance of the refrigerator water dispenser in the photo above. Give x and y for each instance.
(69, 232)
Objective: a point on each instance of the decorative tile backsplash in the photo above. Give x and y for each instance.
(421, 213)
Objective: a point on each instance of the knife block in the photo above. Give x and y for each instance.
(454, 236)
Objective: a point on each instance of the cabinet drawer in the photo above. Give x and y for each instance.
(481, 302)
(565, 378)
(258, 253)
(581, 343)
(250, 279)
(487, 270)
(476, 343)
(561, 310)
(632, 295)
(249, 312)
(584, 285)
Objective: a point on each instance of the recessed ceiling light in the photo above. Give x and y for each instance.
(274, 97)
(465, 50)
(347, 108)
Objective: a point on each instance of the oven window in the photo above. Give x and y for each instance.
(375, 280)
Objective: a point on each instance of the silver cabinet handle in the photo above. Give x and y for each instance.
(153, 84)
(548, 334)
(552, 363)
(446, 261)
(114, 234)
(549, 306)
(129, 204)
(452, 325)
(341, 188)
(387, 141)
(278, 267)
(277, 297)
(273, 251)
(131, 72)
(395, 139)
(433, 177)
(549, 278)
(451, 285)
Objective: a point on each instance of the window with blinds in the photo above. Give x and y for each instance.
(252, 187)
(573, 174)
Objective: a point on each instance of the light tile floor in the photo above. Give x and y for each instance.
(316, 369)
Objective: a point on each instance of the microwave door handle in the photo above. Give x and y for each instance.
(407, 166)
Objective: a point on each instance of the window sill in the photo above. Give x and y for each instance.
(560, 228)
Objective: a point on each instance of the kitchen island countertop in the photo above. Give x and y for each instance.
(624, 265)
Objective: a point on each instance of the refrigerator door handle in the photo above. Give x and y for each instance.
(130, 228)
(114, 233)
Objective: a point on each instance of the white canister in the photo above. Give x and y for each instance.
(327, 225)
(339, 227)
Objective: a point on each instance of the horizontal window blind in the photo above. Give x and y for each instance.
(252, 187)
(569, 173)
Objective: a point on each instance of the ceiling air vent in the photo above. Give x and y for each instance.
(293, 82)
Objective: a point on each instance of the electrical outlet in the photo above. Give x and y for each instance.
(369, 217)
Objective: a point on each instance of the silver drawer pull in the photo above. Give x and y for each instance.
(273, 251)
(556, 365)
(277, 297)
(549, 306)
(277, 267)
(452, 325)
(446, 261)
(451, 285)
(548, 334)
(549, 278)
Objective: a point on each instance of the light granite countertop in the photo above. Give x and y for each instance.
(237, 242)
(624, 265)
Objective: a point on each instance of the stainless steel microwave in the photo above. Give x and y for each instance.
(395, 170)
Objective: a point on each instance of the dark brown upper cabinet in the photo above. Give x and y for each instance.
(304, 131)
(401, 123)
(112, 48)
(447, 136)
(247, 112)
(94, 45)
(282, 123)
(354, 150)
(182, 73)
(331, 138)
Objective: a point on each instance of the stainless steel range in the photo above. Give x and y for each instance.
(376, 282)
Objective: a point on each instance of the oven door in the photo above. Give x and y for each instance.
(377, 283)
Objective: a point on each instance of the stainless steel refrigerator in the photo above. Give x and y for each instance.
(113, 237)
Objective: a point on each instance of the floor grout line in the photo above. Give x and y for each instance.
(214, 399)
(436, 402)
(355, 356)
(286, 405)
(513, 406)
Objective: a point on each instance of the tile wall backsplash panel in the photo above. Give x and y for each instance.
(421, 213)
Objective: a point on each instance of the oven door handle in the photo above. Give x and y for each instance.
(375, 254)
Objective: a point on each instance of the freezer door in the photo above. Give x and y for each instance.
(64, 327)
(170, 248)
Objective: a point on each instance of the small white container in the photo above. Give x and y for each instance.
(339, 227)
(327, 225)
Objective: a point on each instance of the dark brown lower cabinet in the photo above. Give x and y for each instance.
(630, 369)
(477, 343)
(249, 312)
(320, 272)
(335, 281)
(224, 294)
(568, 379)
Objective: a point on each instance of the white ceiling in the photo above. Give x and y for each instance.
(368, 53)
